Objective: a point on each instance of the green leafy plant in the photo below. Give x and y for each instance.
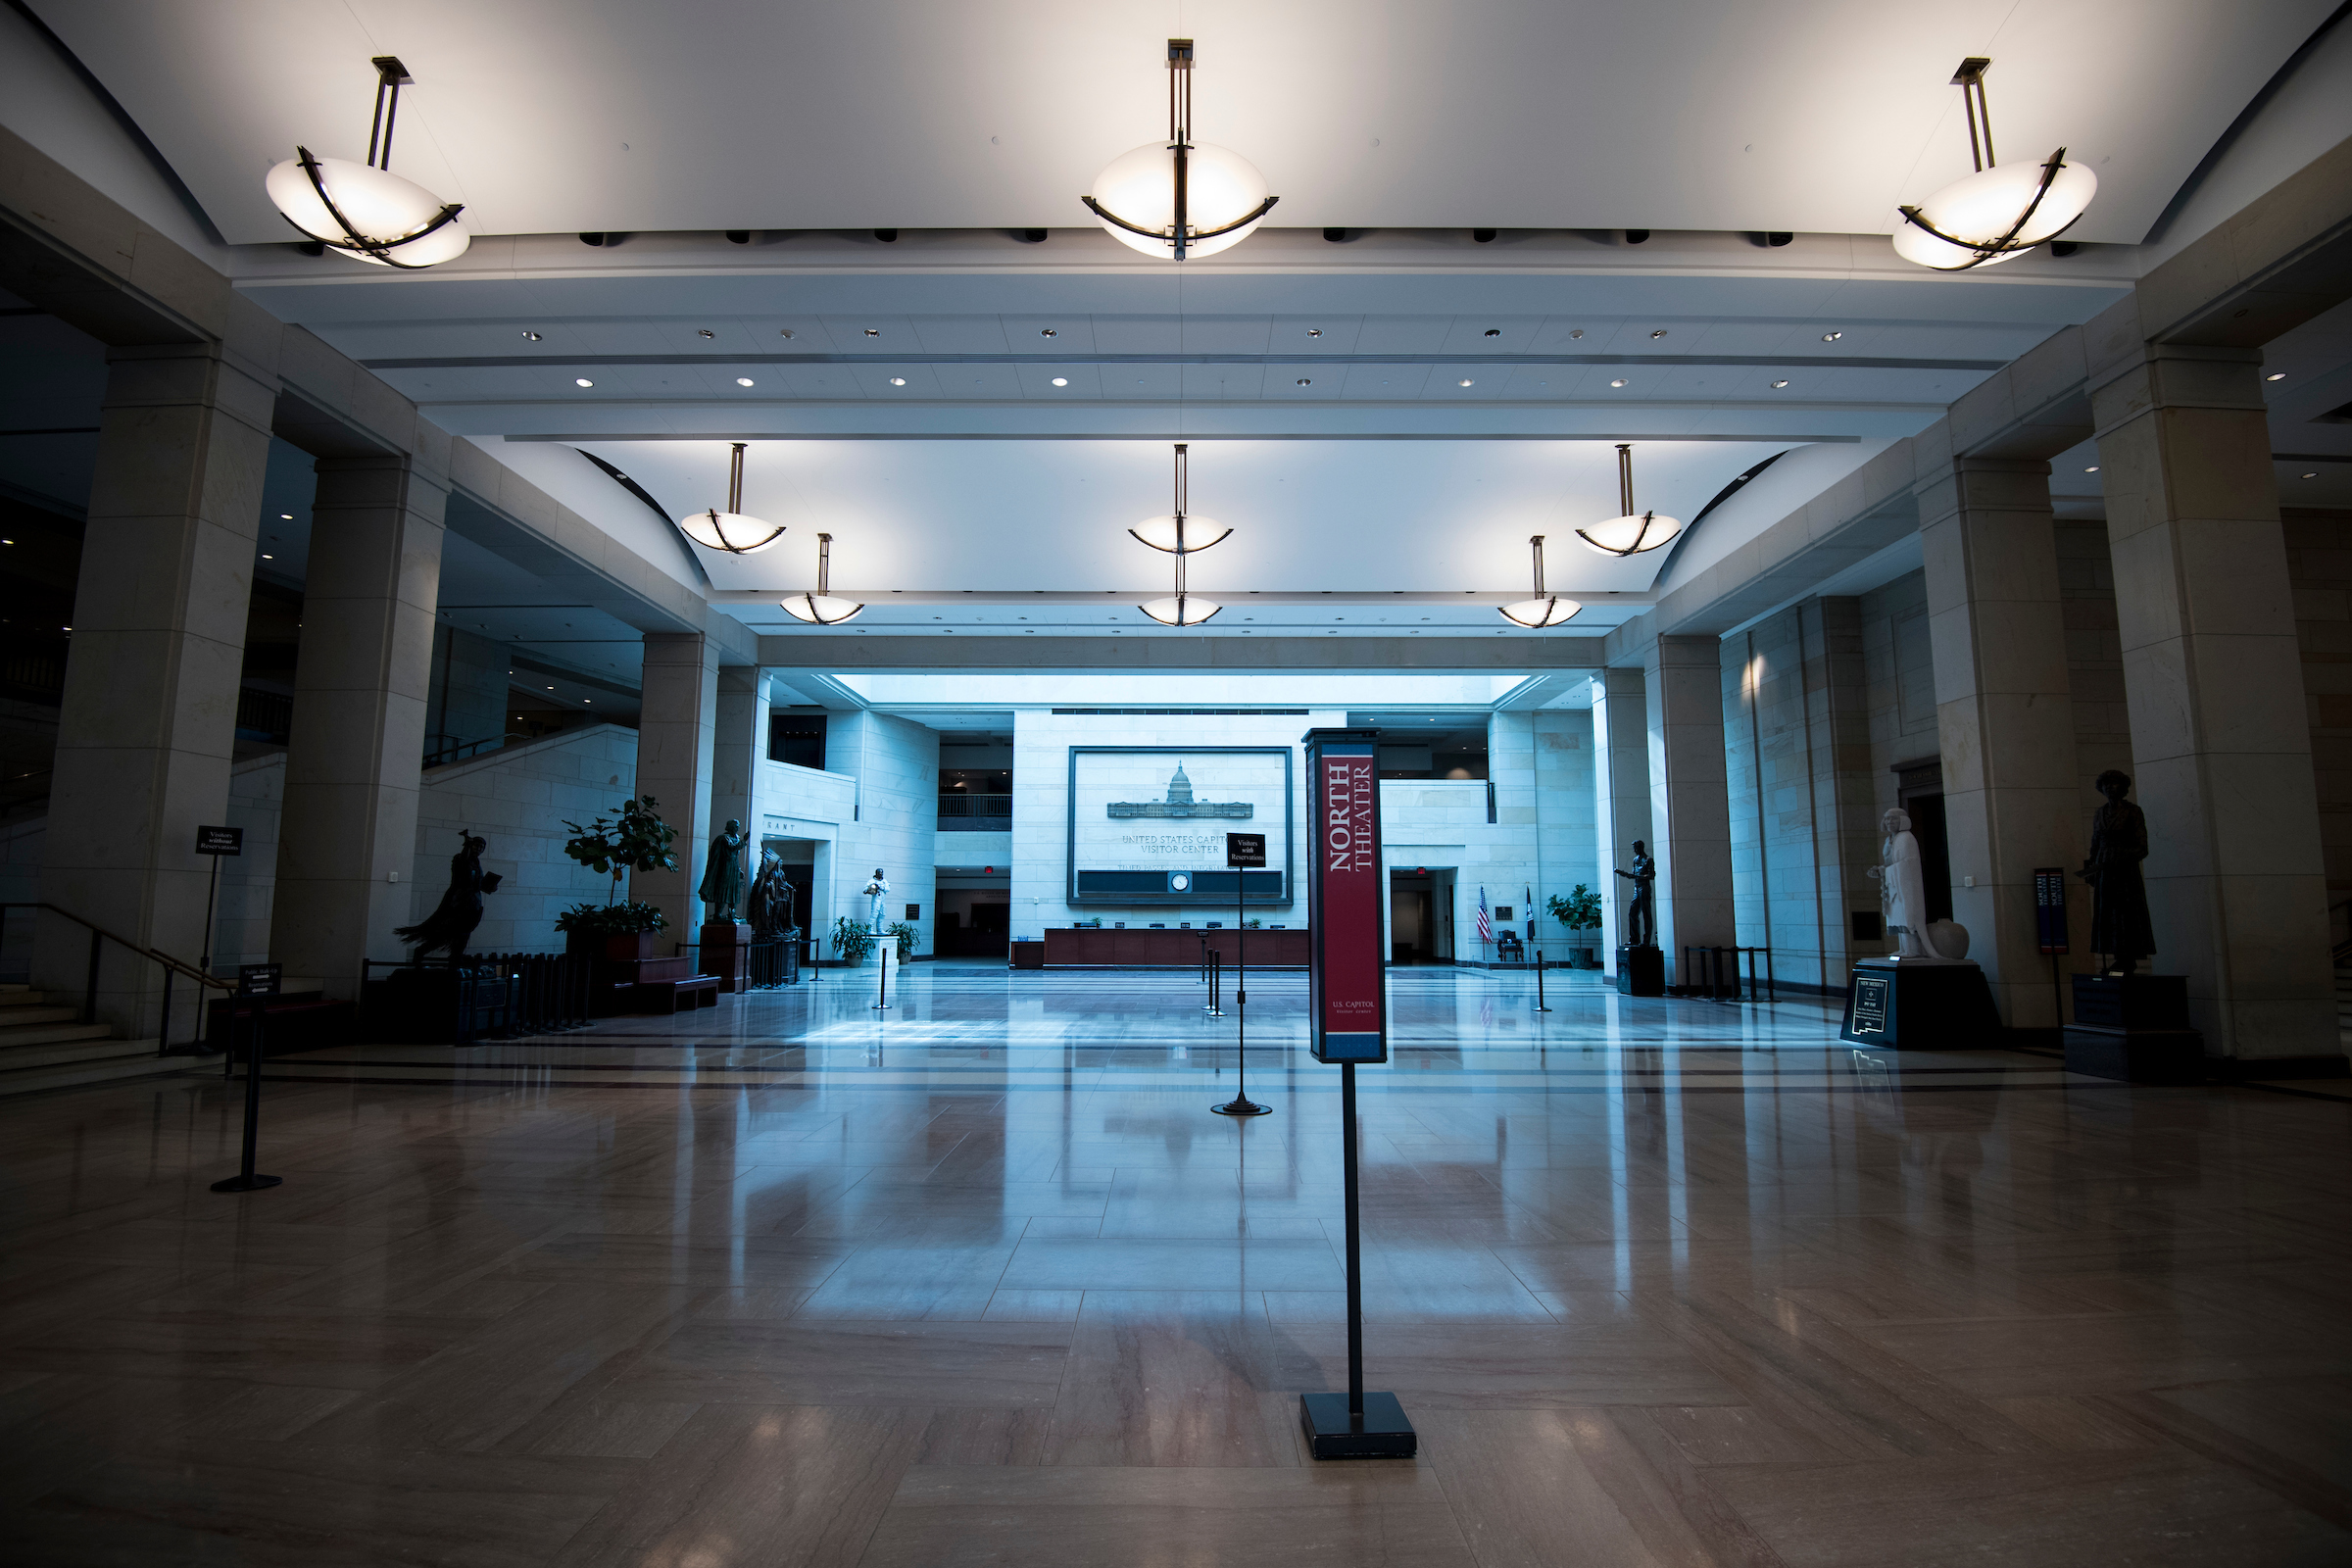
(636, 839)
(1254, 924)
(611, 919)
(852, 940)
(1578, 910)
(907, 936)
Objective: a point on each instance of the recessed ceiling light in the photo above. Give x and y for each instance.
(2275, 376)
(1306, 381)
(784, 331)
(1660, 332)
(1493, 331)
(898, 380)
(743, 381)
(1465, 381)
(2093, 468)
(1575, 332)
(873, 331)
(285, 517)
(1314, 331)
(1061, 380)
(268, 558)
(530, 337)
(1831, 338)
(1776, 384)
(581, 380)
(2307, 477)
(1048, 331)
(1620, 381)
(705, 332)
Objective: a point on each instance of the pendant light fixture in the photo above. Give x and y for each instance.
(1176, 200)
(730, 530)
(2001, 210)
(364, 211)
(1180, 535)
(1545, 609)
(1634, 533)
(822, 607)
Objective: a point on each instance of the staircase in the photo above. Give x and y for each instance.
(42, 1047)
(2344, 1003)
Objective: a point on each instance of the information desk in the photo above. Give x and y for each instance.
(1082, 946)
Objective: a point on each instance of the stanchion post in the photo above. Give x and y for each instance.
(1540, 1007)
(258, 981)
(1242, 850)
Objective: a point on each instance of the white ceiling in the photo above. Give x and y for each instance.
(632, 115)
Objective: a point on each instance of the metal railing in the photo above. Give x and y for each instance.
(493, 995)
(172, 967)
(458, 750)
(963, 812)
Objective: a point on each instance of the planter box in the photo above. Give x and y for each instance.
(631, 948)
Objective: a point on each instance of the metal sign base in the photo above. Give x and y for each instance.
(1381, 1432)
(1238, 1106)
(247, 1184)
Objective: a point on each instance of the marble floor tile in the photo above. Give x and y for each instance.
(789, 1282)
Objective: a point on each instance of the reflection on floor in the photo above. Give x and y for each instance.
(979, 1279)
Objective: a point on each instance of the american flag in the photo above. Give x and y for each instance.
(1486, 922)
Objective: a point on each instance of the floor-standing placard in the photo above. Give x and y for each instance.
(1347, 1024)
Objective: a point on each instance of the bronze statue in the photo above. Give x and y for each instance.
(460, 908)
(769, 908)
(723, 875)
(1641, 915)
(2119, 906)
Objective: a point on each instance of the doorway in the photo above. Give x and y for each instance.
(1918, 792)
(1421, 915)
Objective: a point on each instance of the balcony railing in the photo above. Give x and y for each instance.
(965, 812)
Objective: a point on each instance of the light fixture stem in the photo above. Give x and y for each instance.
(1970, 79)
(1179, 133)
(1625, 478)
(825, 563)
(1183, 476)
(1537, 541)
(735, 480)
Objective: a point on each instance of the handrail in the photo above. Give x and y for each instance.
(163, 958)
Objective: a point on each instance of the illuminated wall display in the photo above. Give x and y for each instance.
(1148, 824)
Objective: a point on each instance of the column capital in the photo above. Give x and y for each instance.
(2175, 375)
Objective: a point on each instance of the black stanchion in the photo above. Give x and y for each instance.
(259, 987)
(1241, 1104)
(1216, 985)
(1540, 1007)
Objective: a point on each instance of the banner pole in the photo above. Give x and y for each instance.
(1241, 1104)
(1356, 1262)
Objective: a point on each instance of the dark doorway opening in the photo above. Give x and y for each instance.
(1919, 791)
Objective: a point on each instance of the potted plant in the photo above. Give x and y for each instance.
(635, 838)
(1580, 912)
(616, 932)
(906, 937)
(852, 940)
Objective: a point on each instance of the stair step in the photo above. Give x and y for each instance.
(22, 996)
(96, 1043)
(17, 1018)
(15, 1040)
(138, 1061)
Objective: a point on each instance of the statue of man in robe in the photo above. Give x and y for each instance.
(722, 874)
(1903, 885)
(1641, 915)
(2119, 926)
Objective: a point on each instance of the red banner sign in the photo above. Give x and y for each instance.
(1347, 990)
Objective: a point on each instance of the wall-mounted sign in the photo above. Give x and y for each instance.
(1346, 987)
(219, 840)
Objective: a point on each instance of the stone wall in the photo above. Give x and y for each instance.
(2319, 563)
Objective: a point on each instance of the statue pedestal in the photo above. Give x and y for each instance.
(1640, 971)
(2134, 1027)
(1920, 1004)
(726, 952)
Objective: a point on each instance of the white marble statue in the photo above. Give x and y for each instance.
(877, 891)
(1902, 887)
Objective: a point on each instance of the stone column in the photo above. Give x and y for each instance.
(739, 747)
(2004, 713)
(356, 747)
(1689, 796)
(1620, 795)
(2219, 737)
(676, 733)
(149, 716)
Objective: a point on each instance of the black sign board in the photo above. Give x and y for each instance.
(1245, 849)
(1870, 1004)
(219, 840)
(2049, 907)
(259, 979)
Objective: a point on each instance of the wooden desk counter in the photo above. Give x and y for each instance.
(1080, 947)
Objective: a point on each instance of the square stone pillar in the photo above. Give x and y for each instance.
(2213, 679)
(1689, 796)
(149, 717)
(677, 729)
(1620, 795)
(356, 747)
(739, 748)
(2004, 714)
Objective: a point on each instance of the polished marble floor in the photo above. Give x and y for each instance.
(980, 1278)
